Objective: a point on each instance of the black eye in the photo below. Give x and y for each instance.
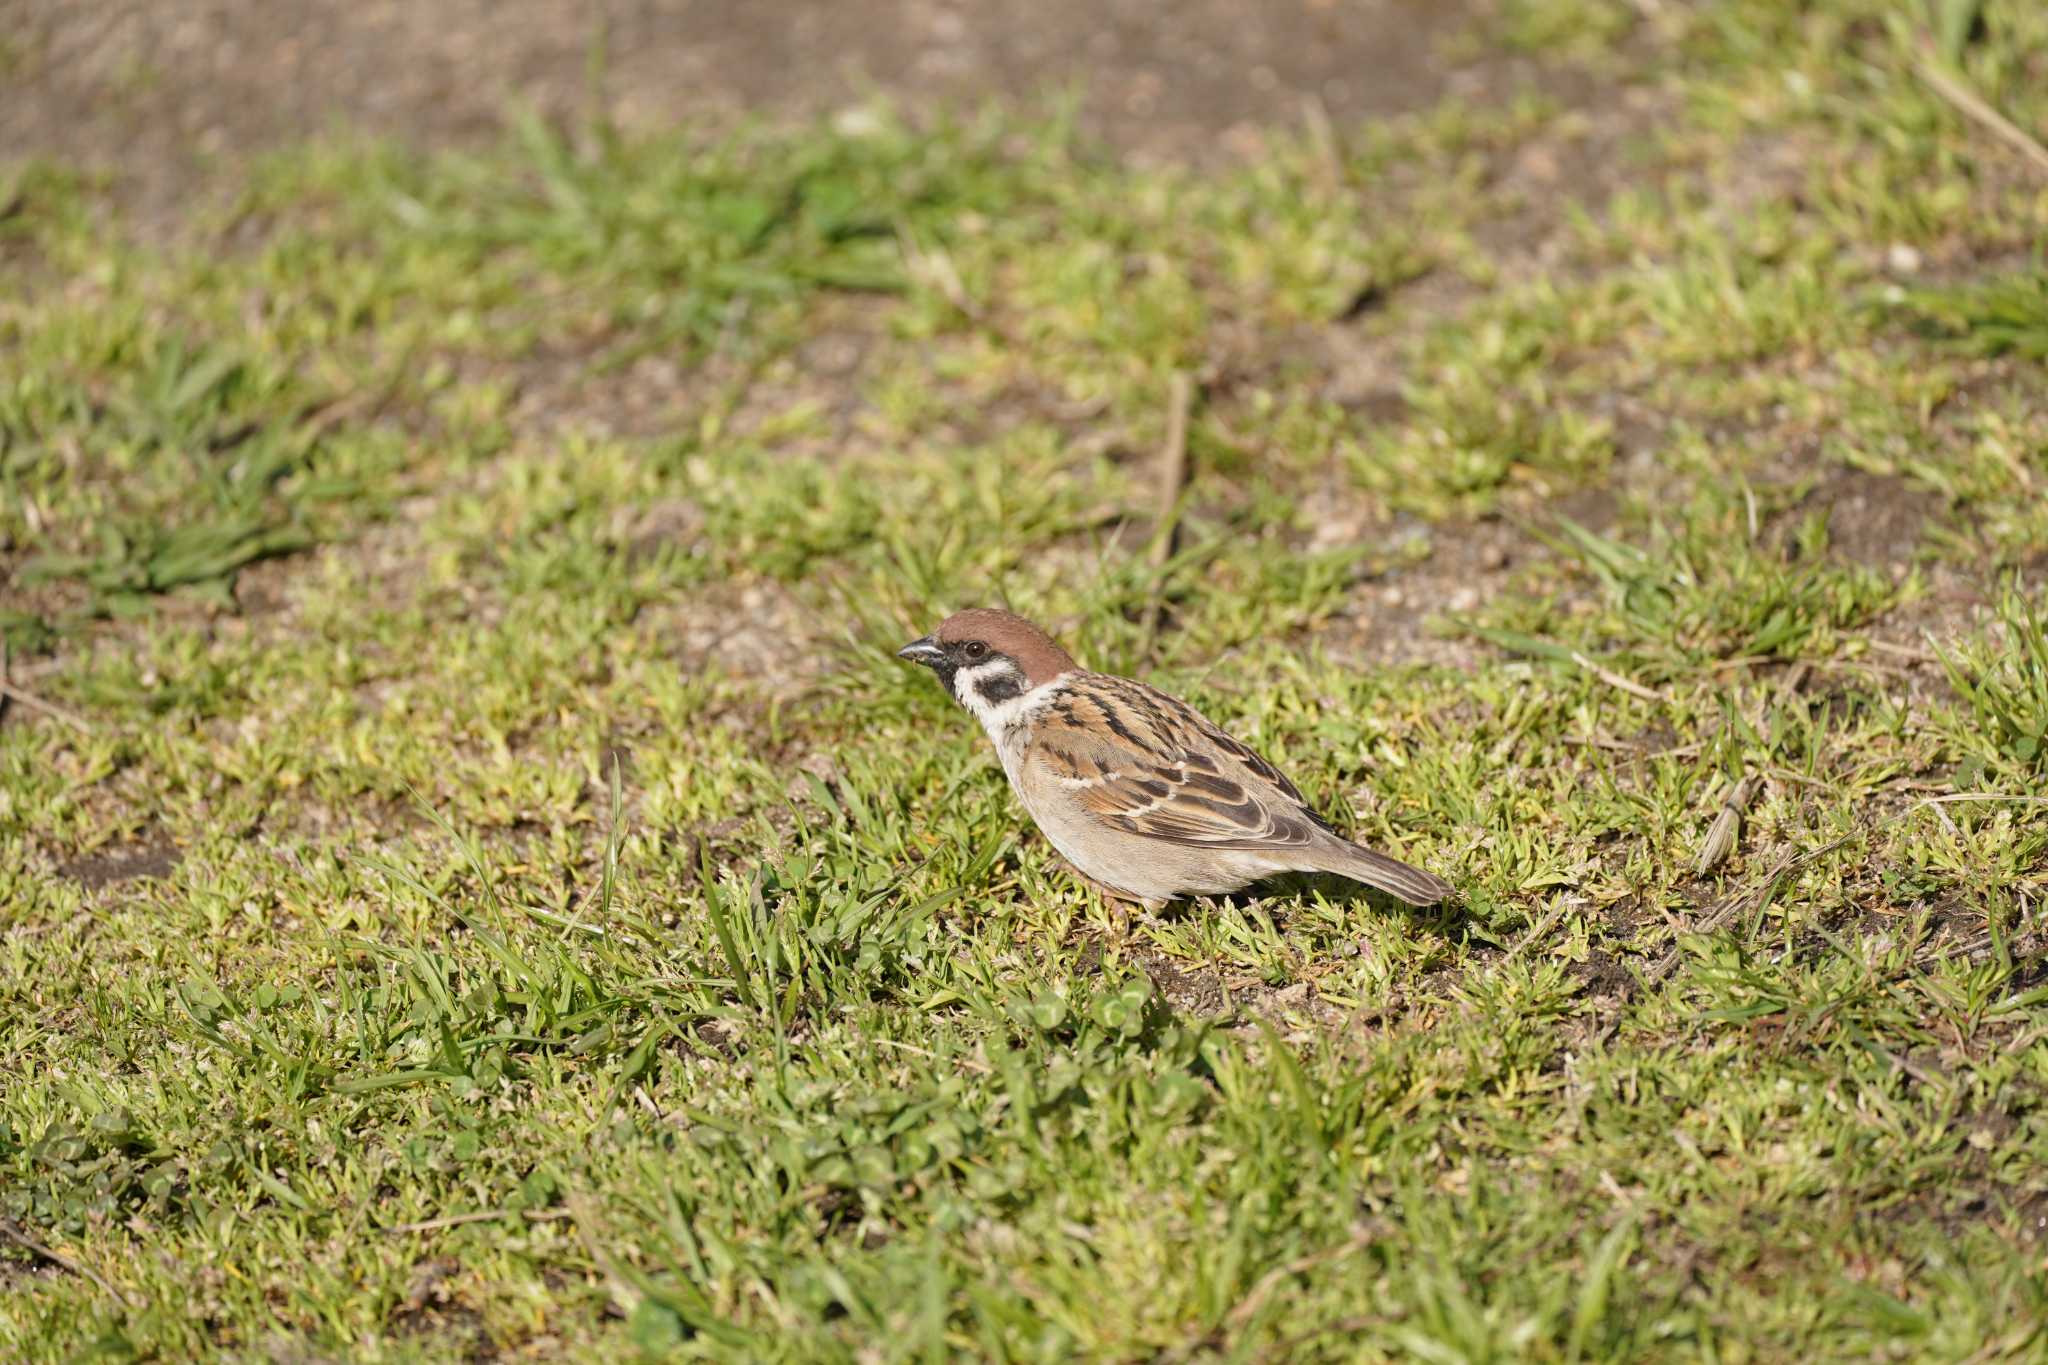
(973, 649)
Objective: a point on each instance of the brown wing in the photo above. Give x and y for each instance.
(1148, 764)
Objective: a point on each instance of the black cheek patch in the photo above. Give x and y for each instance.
(999, 689)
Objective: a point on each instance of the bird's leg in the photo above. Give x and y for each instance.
(1117, 901)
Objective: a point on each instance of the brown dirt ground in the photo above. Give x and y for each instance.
(160, 99)
(127, 863)
(150, 93)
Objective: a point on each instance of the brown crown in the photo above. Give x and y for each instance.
(1035, 652)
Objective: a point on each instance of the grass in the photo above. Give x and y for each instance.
(496, 893)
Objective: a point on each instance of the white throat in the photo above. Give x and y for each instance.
(1000, 718)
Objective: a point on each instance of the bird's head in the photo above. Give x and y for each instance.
(987, 658)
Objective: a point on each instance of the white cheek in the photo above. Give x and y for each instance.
(966, 689)
(1002, 717)
(965, 678)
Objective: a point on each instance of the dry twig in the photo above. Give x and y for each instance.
(1720, 839)
(935, 267)
(1248, 1307)
(456, 1220)
(1322, 134)
(1918, 656)
(1173, 476)
(1981, 796)
(1728, 908)
(929, 1055)
(1615, 680)
(1540, 928)
(9, 692)
(364, 404)
(1976, 108)
(13, 1233)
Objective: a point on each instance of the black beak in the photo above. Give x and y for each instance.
(924, 651)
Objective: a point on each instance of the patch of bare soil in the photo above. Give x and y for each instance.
(433, 1313)
(19, 1269)
(1188, 990)
(1873, 519)
(756, 631)
(129, 862)
(1405, 613)
(1390, 620)
(152, 93)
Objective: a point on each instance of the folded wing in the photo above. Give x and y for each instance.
(1147, 764)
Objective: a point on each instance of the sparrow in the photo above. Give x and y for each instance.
(1144, 796)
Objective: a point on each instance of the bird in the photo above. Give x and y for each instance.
(1143, 796)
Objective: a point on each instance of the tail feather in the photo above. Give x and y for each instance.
(1390, 875)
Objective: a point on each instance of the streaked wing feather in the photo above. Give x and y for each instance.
(1147, 764)
(1250, 758)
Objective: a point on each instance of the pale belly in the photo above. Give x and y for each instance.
(1154, 871)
